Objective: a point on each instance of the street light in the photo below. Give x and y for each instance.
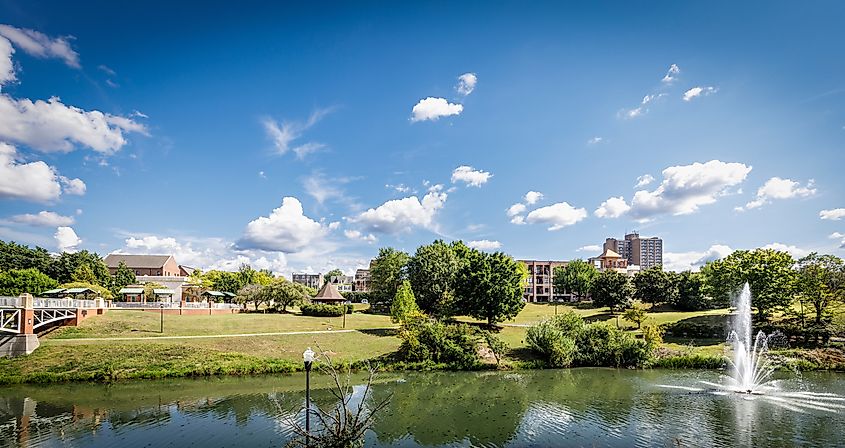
(308, 357)
(161, 325)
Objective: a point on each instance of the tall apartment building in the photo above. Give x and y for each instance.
(540, 287)
(311, 280)
(643, 252)
(362, 280)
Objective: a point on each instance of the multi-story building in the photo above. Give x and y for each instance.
(362, 280)
(540, 286)
(163, 265)
(643, 252)
(610, 260)
(310, 280)
(343, 283)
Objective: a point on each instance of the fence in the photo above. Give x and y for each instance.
(174, 305)
(38, 302)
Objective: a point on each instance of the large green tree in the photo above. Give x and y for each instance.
(404, 305)
(821, 282)
(612, 289)
(769, 274)
(654, 286)
(66, 264)
(224, 281)
(690, 296)
(122, 277)
(432, 272)
(576, 278)
(330, 274)
(490, 286)
(18, 281)
(84, 274)
(284, 293)
(18, 256)
(388, 271)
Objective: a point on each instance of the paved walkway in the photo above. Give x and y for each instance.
(240, 335)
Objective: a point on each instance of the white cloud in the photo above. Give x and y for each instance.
(644, 180)
(698, 91)
(685, 188)
(75, 187)
(321, 188)
(400, 188)
(466, 83)
(518, 220)
(34, 181)
(470, 176)
(7, 68)
(589, 248)
(595, 140)
(693, 261)
(53, 126)
(833, 214)
(44, 219)
(516, 209)
(66, 239)
(642, 108)
(777, 188)
(399, 215)
(485, 245)
(558, 215)
(795, 251)
(671, 74)
(40, 45)
(433, 108)
(840, 237)
(358, 236)
(285, 134)
(612, 208)
(532, 197)
(286, 229)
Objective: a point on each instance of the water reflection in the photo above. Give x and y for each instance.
(579, 407)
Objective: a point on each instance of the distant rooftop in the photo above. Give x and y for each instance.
(136, 261)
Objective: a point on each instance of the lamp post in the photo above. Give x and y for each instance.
(161, 324)
(308, 357)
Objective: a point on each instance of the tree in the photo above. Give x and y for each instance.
(821, 281)
(387, 273)
(18, 281)
(431, 272)
(769, 274)
(654, 286)
(149, 291)
(490, 286)
(404, 305)
(690, 296)
(122, 277)
(636, 314)
(65, 265)
(84, 274)
(330, 274)
(249, 293)
(284, 293)
(575, 278)
(612, 289)
(224, 281)
(18, 257)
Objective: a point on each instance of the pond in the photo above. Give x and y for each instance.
(577, 407)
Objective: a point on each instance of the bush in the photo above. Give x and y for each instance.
(323, 310)
(19, 281)
(350, 308)
(554, 339)
(427, 340)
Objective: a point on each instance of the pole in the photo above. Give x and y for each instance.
(161, 324)
(802, 314)
(344, 318)
(307, 404)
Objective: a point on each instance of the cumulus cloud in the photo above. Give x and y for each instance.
(589, 248)
(795, 251)
(516, 209)
(833, 214)
(685, 188)
(470, 176)
(359, 236)
(532, 197)
(33, 181)
(777, 188)
(466, 83)
(285, 134)
(693, 261)
(44, 219)
(432, 108)
(671, 74)
(7, 68)
(40, 45)
(557, 216)
(52, 126)
(399, 215)
(612, 208)
(74, 187)
(286, 229)
(838, 236)
(644, 180)
(66, 239)
(698, 91)
(486, 245)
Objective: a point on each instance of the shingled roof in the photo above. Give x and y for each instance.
(137, 261)
(328, 292)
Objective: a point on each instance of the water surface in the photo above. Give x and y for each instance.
(578, 407)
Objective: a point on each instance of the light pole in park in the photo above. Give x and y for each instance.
(308, 357)
(161, 324)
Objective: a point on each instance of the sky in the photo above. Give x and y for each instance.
(302, 137)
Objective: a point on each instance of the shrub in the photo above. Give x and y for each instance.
(350, 308)
(653, 335)
(427, 340)
(554, 339)
(19, 281)
(322, 310)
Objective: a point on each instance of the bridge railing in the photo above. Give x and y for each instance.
(137, 305)
(62, 303)
(9, 302)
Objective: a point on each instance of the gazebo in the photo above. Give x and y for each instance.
(328, 294)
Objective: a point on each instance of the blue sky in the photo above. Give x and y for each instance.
(303, 137)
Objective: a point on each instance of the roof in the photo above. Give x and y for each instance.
(329, 292)
(131, 291)
(188, 270)
(54, 291)
(163, 291)
(78, 290)
(136, 261)
(215, 293)
(610, 254)
(229, 294)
